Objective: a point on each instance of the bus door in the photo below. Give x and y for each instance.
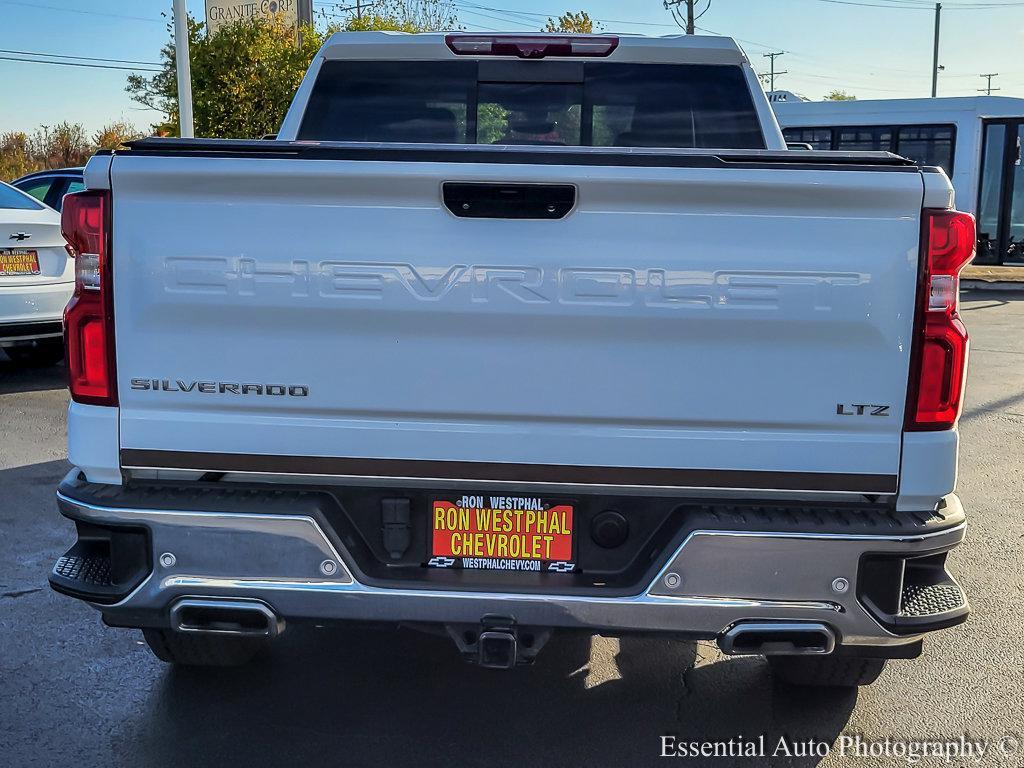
(1001, 194)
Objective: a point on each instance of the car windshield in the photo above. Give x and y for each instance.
(12, 198)
(600, 104)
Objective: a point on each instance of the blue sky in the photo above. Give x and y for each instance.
(872, 48)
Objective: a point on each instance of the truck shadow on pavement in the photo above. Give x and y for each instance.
(375, 697)
(352, 696)
(16, 378)
(975, 299)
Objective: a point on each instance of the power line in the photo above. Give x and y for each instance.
(874, 5)
(845, 82)
(982, 6)
(81, 58)
(740, 39)
(672, 6)
(511, 14)
(924, 6)
(525, 17)
(503, 19)
(78, 10)
(773, 73)
(988, 87)
(706, 9)
(78, 64)
(359, 7)
(554, 14)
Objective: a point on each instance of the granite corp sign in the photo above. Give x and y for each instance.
(220, 12)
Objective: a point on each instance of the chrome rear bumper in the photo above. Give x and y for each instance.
(714, 580)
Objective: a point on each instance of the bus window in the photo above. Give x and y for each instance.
(818, 138)
(1015, 244)
(865, 139)
(927, 144)
(991, 195)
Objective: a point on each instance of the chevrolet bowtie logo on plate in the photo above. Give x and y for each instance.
(19, 236)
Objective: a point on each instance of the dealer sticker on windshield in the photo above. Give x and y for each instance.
(505, 533)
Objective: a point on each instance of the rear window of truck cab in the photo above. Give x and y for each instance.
(600, 104)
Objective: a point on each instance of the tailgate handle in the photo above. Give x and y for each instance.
(475, 200)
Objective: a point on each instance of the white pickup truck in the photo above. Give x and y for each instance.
(509, 335)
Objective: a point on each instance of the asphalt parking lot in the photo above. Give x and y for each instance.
(75, 693)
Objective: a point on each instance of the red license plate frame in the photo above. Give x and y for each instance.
(494, 532)
(10, 258)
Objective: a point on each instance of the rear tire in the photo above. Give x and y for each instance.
(39, 354)
(201, 650)
(826, 671)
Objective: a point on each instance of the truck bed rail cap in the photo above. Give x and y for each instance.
(513, 154)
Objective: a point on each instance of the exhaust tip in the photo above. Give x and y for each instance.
(778, 639)
(248, 618)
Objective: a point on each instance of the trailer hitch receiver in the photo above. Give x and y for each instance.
(497, 642)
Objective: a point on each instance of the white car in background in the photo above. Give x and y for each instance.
(37, 278)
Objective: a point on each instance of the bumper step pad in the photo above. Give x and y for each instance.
(931, 599)
(104, 565)
(912, 595)
(92, 571)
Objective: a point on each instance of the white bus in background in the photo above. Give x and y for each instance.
(976, 140)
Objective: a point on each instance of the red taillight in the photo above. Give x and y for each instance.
(532, 46)
(939, 356)
(89, 316)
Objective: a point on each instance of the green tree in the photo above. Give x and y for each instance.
(374, 22)
(113, 135)
(57, 146)
(406, 16)
(573, 22)
(60, 146)
(245, 75)
(243, 78)
(838, 95)
(15, 159)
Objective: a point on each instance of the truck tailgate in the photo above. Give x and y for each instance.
(745, 327)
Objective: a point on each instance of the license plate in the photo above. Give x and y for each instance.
(502, 533)
(18, 261)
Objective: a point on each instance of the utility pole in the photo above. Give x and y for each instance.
(358, 8)
(988, 87)
(673, 7)
(935, 55)
(773, 73)
(186, 126)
